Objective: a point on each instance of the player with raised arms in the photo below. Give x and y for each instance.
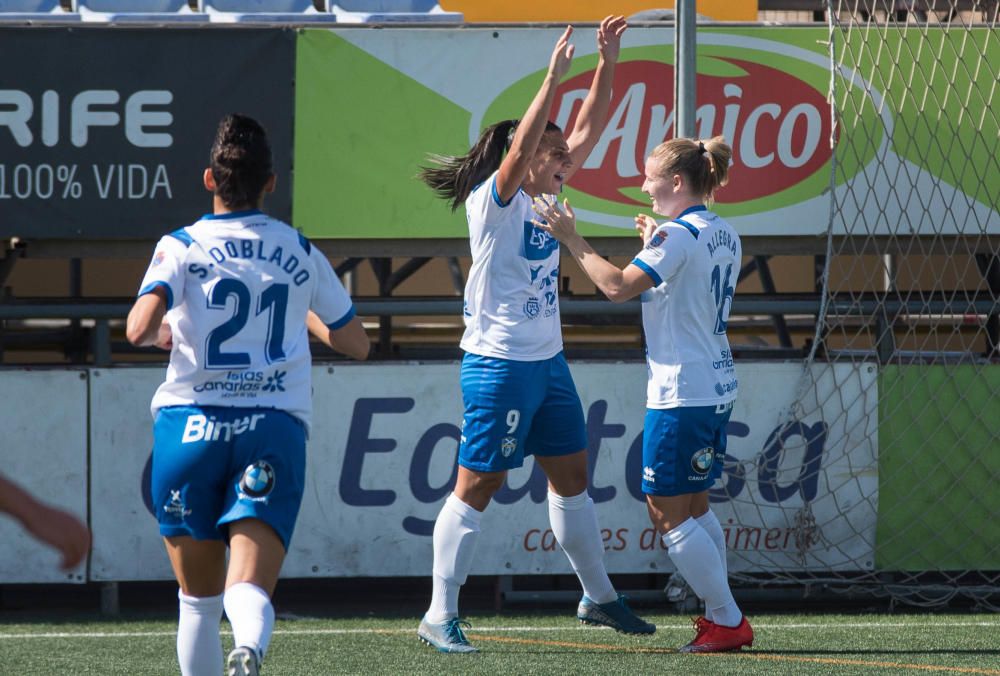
(686, 274)
(230, 296)
(517, 390)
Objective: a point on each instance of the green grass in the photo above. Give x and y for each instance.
(526, 643)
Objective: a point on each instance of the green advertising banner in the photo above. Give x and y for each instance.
(939, 468)
(372, 105)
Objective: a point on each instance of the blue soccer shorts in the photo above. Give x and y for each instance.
(684, 448)
(518, 408)
(213, 465)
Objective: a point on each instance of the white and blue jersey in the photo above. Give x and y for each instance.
(239, 286)
(694, 262)
(511, 306)
(518, 393)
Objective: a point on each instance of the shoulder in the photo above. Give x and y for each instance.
(486, 195)
(674, 234)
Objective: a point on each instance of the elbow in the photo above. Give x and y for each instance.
(358, 349)
(616, 294)
(134, 334)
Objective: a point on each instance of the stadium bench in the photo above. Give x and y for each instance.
(384, 11)
(266, 11)
(35, 11)
(117, 11)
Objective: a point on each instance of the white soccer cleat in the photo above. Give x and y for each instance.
(243, 661)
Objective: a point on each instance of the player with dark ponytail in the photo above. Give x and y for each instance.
(229, 296)
(686, 273)
(519, 396)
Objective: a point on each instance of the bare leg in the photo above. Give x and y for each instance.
(199, 566)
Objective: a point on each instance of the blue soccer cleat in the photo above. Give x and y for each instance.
(447, 637)
(615, 614)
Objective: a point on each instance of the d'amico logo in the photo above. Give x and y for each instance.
(777, 124)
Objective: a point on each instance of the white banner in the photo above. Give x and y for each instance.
(382, 460)
(44, 422)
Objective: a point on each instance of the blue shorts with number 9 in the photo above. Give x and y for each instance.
(683, 449)
(518, 408)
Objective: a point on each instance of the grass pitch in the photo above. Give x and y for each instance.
(523, 643)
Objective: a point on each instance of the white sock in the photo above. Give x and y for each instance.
(574, 523)
(711, 524)
(456, 532)
(199, 649)
(697, 559)
(251, 614)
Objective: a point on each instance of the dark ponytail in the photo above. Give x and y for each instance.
(454, 177)
(240, 161)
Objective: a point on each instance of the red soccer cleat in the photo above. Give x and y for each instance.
(715, 638)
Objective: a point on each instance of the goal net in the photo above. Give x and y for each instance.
(905, 362)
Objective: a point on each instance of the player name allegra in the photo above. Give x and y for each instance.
(722, 238)
(258, 250)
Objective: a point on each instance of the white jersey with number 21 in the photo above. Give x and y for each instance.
(238, 288)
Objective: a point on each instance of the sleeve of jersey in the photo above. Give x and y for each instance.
(485, 203)
(663, 256)
(166, 270)
(330, 301)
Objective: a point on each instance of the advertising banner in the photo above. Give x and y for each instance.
(419, 92)
(44, 422)
(104, 134)
(381, 461)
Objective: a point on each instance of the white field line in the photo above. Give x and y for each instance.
(475, 629)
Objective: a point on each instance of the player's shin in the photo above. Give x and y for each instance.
(456, 532)
(199, 649)
(574, 523)
(251, 615)
(696, 557)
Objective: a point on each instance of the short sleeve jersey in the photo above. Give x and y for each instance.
(238, 288)
(511, 308)
(694, 263)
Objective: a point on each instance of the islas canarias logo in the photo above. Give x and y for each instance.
(777, 124)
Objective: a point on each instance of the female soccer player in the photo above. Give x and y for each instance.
(230, 295)
(687, 274)
(518, 394)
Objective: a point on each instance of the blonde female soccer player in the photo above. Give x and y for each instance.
(518, 393)
(687, 274)
(230, 296)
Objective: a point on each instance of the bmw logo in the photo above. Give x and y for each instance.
(702, 460)
(258, 479)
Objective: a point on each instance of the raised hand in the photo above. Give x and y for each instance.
(609, 37)
(560, 223)
(646, 226)
(562, 55)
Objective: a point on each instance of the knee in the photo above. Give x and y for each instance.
(478, 489)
